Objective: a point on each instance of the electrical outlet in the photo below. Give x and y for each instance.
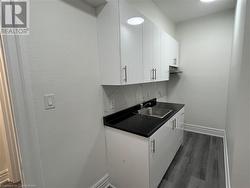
(160, 93)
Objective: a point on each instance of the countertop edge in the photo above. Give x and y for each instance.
(164, 120)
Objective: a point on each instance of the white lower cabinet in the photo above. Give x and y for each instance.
(139, 162)
(160, 155)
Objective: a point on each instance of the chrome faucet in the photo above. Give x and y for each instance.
(148, 104)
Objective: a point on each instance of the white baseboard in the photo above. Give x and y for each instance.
(4, 176)
(104, 182)
(213, 132)
(204, 130)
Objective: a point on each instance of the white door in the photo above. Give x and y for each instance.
(131, 46)
(160, 154)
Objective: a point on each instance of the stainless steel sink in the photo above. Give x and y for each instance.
(155, 112)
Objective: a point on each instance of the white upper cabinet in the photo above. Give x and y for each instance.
(120, 44)
(157, 53)
(152, 52)
(165, 56)
(148, 51)
(174, 52)
(131, 54)
(131, 45)
(109, 44)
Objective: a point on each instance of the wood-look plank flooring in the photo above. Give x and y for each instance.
(199, 163)
(11, 185)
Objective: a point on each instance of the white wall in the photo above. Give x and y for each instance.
(153, 12)
(205, 52)
(238, 116)
(61, 57)
(116, 98)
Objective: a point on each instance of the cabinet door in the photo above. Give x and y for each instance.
(177, 124)
(148, 41)
(108, 23)
(131, 46)
(165, 52)
(174, 52)
(157, 52)
(151, 52)
(180, 126)
(128, 160)
(160, 154)
(176, 135)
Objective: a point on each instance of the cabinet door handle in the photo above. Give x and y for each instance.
(153, 145)
(125, 74)
(153, 74)
(174, 125)
(175, 61)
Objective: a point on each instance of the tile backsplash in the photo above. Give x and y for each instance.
(116, 98)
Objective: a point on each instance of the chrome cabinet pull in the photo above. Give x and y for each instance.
(155, 74)
(153, 146)
(174, 125)
(175, 61)
(126, 74)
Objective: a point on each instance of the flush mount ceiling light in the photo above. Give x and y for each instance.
(207, 1)
(135, 21)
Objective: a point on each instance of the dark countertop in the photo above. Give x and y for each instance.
(127, 120)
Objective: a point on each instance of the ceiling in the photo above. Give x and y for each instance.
(95, 3)
(182, 10)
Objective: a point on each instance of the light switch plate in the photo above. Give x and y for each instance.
(49, 101)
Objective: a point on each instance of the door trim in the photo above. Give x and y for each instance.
(104, 182)
(9, 127)
(17, 69)
(4, 176)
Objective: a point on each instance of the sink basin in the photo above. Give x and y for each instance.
(155, 112)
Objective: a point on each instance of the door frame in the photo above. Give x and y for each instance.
(12, 145)
(21, 94)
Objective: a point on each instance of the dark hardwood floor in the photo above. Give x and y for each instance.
(199, 163)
